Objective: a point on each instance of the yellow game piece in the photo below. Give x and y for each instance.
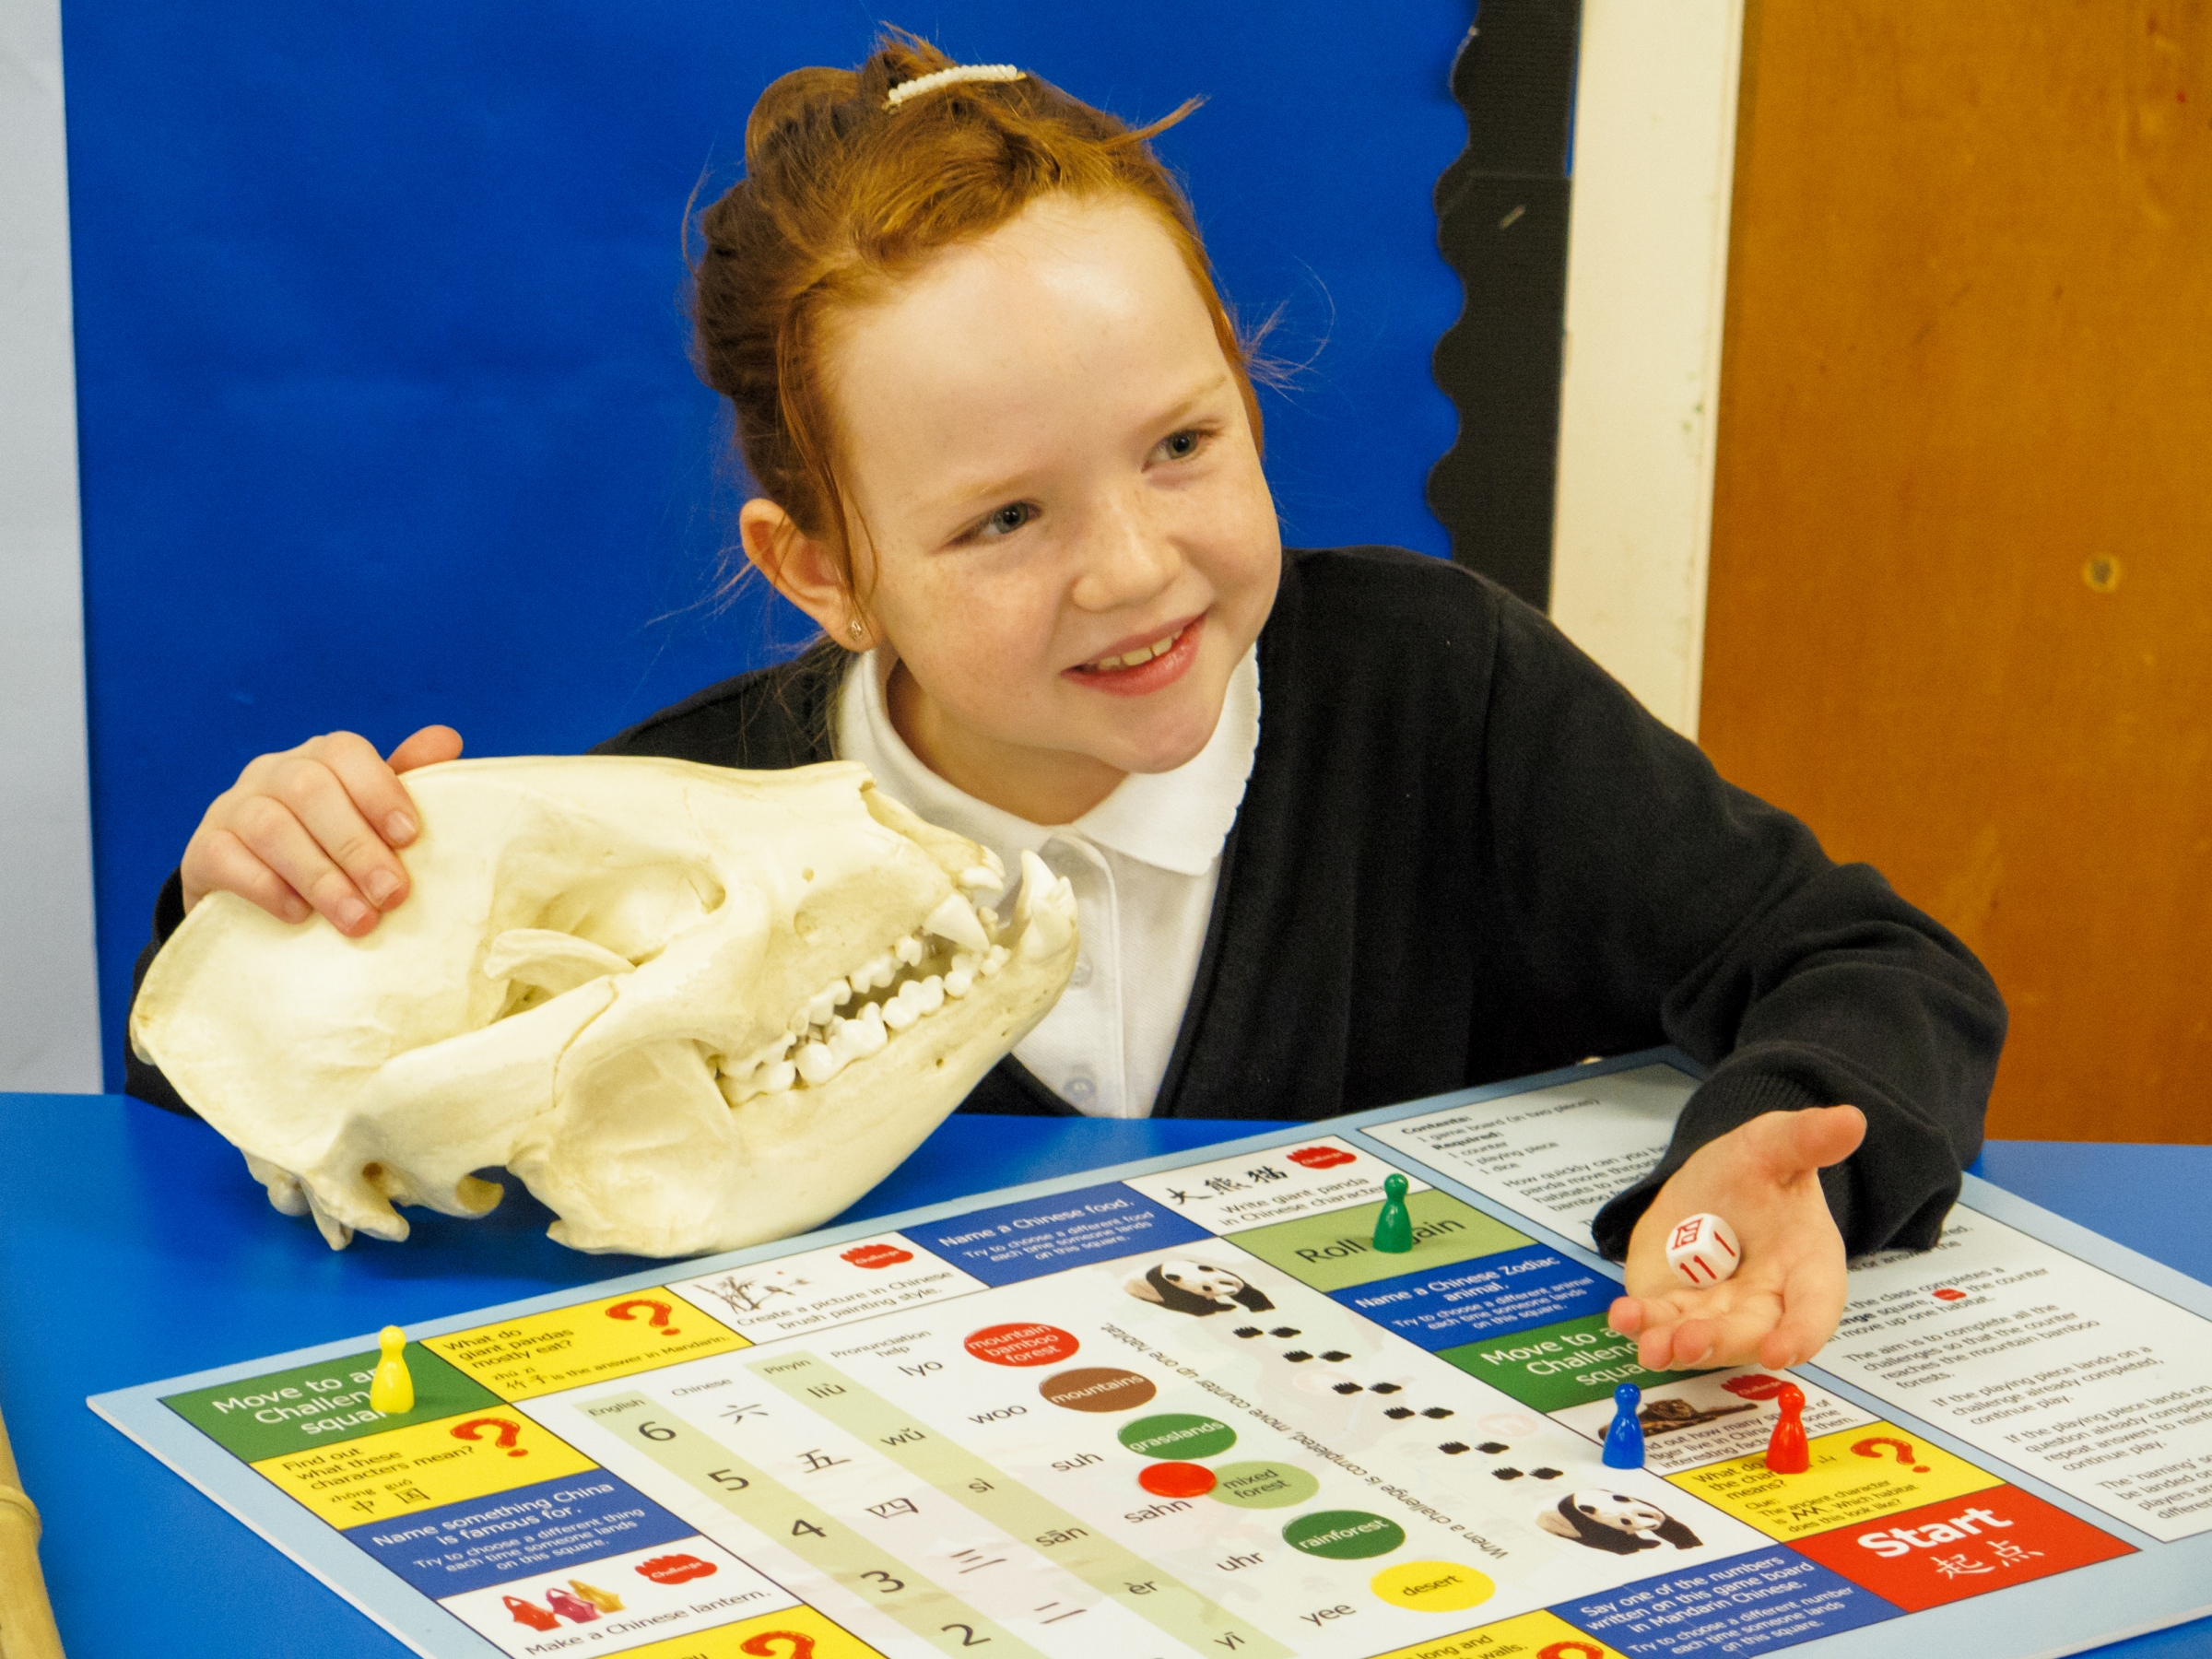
(391, 1391)
(605, 1600)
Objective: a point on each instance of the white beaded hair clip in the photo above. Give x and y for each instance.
(951, 77)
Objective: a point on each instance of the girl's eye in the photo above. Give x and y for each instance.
(1007, 520)
(1182, 445)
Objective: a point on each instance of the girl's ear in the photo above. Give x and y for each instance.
(805, 571)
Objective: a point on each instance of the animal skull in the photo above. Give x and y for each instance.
(691, 1008)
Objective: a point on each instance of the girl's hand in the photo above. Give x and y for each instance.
(313, 828)
(1764, 1179)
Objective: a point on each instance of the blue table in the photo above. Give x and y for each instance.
(134, 1247)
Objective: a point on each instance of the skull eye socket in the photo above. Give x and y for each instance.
(609, 924)
(634, 912)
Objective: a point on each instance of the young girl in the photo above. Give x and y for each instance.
(1347, 827)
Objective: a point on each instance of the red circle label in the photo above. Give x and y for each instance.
(1021, 1344)
(1176, 1479)
(877, 1256)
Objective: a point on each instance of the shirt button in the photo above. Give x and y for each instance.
(1080, 1091)
(1081, 976)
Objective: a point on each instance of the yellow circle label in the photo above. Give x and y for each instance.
(1431, 1586)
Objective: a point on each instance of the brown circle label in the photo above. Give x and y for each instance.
(1098, 1388)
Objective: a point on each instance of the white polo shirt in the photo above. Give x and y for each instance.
(1144, 863)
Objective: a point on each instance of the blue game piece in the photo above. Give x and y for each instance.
(1624, 1440)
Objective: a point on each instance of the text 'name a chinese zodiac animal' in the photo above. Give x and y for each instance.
(690, 1009)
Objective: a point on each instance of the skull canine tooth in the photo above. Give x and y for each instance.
(956, 921)
(1052, 920)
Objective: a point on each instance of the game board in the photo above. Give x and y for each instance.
(1184, 1407)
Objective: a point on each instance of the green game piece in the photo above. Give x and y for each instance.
(1393, 1226)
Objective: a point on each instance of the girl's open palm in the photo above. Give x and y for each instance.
(1764, 1179)
(315, 828)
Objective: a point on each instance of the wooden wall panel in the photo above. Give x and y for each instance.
(1960, 611)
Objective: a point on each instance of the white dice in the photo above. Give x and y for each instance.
(1702, 1250)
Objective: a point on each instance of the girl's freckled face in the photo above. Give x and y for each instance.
(1051, 474)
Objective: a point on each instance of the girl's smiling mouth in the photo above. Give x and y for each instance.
(1137, 667)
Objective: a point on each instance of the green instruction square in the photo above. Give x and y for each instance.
(322, 1404)
(1556, 1366)
(1336, 1248)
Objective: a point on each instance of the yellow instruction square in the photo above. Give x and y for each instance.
(424, 1465)
(592, 1342)
(807, 1635)
(1531, 1634)
(1856, 1473)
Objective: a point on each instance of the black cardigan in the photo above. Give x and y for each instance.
(1465, 853)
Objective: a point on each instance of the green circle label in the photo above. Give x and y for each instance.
(1262, 1485)
(1343, 1535)
(1177, 1435)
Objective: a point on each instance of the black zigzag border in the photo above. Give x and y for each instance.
(1501, 223)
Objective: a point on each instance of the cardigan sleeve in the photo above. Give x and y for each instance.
(141, 1078)
(1645, 880)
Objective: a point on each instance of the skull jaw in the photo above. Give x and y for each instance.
(709, 1177)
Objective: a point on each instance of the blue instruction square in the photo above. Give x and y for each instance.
(1014, 1241)
(1747, 1604)
(1515, 1290)
(556, 1523)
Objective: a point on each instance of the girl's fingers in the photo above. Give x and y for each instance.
(1799, 1142)
(329, 806)
(222, 863)
(271, 832)
(427, 748)
(1812, 1306)
(378, 797)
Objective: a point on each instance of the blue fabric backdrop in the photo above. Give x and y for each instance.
(386, 411)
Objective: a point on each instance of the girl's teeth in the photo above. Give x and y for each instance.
(1142, 653)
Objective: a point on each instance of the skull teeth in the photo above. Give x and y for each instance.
(944, 960)
(955, 922)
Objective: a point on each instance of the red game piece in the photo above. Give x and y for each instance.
(1176, 1479)
(1787, 1452)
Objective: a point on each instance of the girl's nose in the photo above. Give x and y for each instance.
(1129, 559)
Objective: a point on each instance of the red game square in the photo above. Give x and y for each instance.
(1962, 1546)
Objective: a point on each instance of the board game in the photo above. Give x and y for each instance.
(1186, 1407)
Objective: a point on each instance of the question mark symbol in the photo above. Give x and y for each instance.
(509, 1431)
(661, 1311)
(802, 1647)
(1905, 1455)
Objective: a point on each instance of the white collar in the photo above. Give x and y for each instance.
(1173, 820)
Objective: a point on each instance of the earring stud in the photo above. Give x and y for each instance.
(854, 630)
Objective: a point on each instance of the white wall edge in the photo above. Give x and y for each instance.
(49, 973)
(1654, 164)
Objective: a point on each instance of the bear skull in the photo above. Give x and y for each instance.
(690, 1009)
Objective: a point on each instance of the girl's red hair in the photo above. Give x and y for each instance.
(842, 198)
